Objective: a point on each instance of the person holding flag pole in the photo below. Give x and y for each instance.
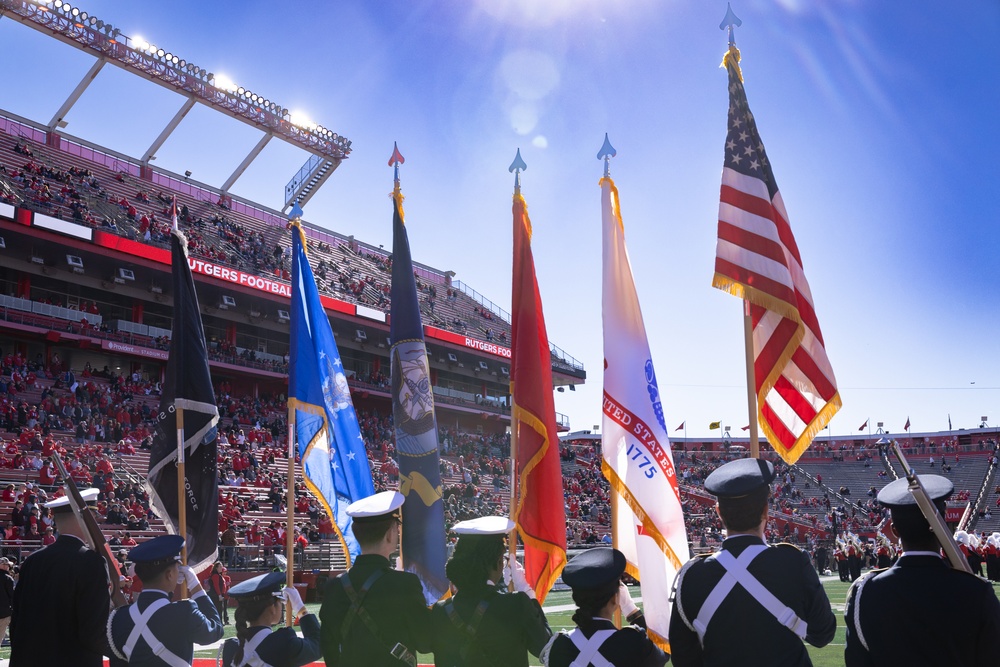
(750, 603)
(646, 515)
(154, 630)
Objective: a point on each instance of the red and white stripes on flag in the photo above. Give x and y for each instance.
(758, 260)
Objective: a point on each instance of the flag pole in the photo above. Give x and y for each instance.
(181, 496)
(607, 152)
(517, 166)
(289, 536)
(751, 385)
(395, 160)
(512, 538)
(296, 214)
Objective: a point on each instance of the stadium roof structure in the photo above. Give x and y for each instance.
(89, 34)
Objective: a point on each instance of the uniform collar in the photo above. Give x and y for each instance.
(154, 592)
(741, 542)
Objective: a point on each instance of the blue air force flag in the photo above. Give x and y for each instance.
(327, 435)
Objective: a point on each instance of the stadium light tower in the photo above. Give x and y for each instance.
(73, 26)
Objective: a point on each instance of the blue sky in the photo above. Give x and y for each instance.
(879, 121)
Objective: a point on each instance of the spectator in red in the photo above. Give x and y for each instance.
(218, 590)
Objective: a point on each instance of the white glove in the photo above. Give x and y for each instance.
(625, 600)
(514, 572)
(190, 577)
(293, 600)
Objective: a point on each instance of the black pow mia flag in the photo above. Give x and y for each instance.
(188, 387)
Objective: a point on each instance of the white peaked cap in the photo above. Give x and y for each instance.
(485, 525)
(89, 496)
(376, 505)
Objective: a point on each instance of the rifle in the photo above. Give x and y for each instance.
(944, 536)
(97, 539)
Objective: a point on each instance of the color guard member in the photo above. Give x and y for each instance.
(598, 591)
(259, 606)
(750, 603)
(153, 631)
(61, 601)
(920, 611)
(372, 615)
(481, 625)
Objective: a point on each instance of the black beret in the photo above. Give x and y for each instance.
(162, 548)
(738, 478)
(897, 493)
(265, 584)
(594, 568)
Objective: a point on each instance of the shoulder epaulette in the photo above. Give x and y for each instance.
(787, 544)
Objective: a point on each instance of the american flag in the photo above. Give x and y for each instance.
(758, 260)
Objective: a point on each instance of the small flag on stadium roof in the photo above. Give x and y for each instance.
(327, 434)
(424, 545)
(715, 425)
(758, 260)
(865, 425)
(648, 520)
(188, 386)
(681, 427)
(539, 505)
(906, 427)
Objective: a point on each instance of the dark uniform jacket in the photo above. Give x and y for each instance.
(627, 647)
(6, 594)
(61, 605)
(179, 625)
(742, 632)
(281, 648)
(396, 605)
(511, 626)
(922, 612)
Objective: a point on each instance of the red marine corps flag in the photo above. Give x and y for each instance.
(758, 260)
(538, 506)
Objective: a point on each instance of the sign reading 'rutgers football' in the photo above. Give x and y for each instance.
(239, 277)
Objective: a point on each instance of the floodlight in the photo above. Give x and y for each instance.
(126, 274)
(241, 90)
(227, 302)
(223, 82)
(183, 63)
(84, 16)
(283, 316)
(160, 53)
(76, 11)
(57, 4)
